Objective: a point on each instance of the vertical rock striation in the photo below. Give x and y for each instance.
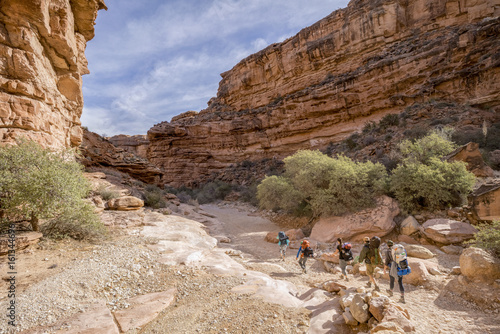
(42, 45)
(355, 65)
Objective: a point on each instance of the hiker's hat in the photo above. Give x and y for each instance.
(366, 239)
(390, 243)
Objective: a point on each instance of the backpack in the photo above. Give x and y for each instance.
(373, 252)
(308, 252)
(346, 252)
(283, 237)
(400, 257)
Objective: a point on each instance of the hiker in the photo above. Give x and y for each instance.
(304, 252)
(371, 255)
(345, 256)
(283, 242)
(392, 264)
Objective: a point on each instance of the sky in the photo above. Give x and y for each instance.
(151, 60)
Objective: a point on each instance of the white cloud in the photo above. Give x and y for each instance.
(149, 63)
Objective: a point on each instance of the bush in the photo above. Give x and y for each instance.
(78, 223)
(317, 184)
(422, 179)
(488, 237)
(389, 120)
(39, 184)
(154, 198)
(212, 191)
(107, 194)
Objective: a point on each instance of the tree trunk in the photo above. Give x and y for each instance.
(34, 223)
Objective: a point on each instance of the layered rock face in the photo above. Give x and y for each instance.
(99, 152)
(137, 145)
(356, 65)
(42, 44)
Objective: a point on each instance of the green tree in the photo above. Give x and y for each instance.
(313, 182)
(39, 184)
(423, 179)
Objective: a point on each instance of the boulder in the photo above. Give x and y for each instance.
(332, 286)
(387, 327)
(477, 264)
(419, 273)
(377, 307)
(346, 301)
(359, 309)
(329, 257)
(398, 315)
(125, 203)
(22, 240)
(295, 234)
(409, 226)
(447, 231)
(272, 237)
(434, 271)
(407, 240)
(418, 251)
(349, 319)
(456, 270)
(452, 249)
(373, 221)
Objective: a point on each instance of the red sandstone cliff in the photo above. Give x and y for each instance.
(42, 45)
(354, 66)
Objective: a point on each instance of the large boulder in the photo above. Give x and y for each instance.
(373, 221)
(419, 274)
(295, 234)
(377, 307)
(418, 251)
(359, 309)
(447, 231)
(477, 264)
(409, 226)
(125, 203)
(272, 237)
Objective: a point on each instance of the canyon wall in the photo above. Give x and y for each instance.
(356, 65)
(42, 60)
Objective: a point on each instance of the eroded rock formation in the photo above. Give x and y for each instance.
(99, 152)
(42, 44)
(356, 65)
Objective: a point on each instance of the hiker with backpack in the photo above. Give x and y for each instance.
(283, 242)
(345, 256)
(396, 260)
(371, 255)
(305, 251)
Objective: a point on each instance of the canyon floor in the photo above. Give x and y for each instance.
(57, 280)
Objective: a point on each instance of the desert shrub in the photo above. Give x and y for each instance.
(416, 132)
(106, 193)
(389, 120)
(249, 194)
(213, 191)
(276, 192)
(368, 140)
(36, 183)
(320, 185)
(369, 127)
(351, 142)
(488, 237)
(153, 197)
(435, 144)
(79, 223)
(422, 179)
(465, 136)
(184, 196)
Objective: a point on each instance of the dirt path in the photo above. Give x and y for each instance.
(431, 311)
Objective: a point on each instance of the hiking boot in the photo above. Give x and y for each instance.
(341, 276)
(377, 288)
(402, 299)
(389, 292)
(369, 284)
(347, 279)
(304, 270)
